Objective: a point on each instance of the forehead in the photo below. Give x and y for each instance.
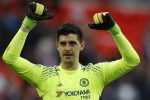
(69, 37)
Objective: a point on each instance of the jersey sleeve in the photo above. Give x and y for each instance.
(27, 70)
(115, 69)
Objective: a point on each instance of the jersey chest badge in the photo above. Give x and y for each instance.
(84, 82)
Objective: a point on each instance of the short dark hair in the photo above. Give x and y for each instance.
(68, 28)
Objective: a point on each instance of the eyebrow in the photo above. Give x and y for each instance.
(70, 42)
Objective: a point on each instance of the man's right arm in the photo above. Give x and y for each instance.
(11, 56)
(21, 66)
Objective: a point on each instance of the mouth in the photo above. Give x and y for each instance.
(68, 56)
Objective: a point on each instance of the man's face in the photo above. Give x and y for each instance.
(69, 48)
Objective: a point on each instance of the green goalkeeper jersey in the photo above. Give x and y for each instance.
(85, 83)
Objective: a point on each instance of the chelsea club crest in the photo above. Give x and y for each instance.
(84, 82)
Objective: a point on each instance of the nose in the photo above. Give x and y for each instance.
(67, 47)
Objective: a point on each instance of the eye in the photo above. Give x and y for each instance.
(72, 43)
(62, 43)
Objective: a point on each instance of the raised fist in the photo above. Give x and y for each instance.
(102, 21)
(38, 12)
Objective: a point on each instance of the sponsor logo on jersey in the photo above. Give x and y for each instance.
(84, 94)
(59, 93)
(76, 93)
(84, 82)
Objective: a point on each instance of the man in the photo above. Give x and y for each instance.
(70, 80)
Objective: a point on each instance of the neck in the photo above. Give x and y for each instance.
(70, 66)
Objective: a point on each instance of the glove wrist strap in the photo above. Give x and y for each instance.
(29, 23)
(115, 30)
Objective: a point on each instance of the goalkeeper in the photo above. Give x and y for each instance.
(70, 80)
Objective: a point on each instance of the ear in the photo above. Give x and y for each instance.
(57, 45)
(82, 45)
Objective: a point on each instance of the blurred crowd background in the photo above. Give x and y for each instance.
(133, 17)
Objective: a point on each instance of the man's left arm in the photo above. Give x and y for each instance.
(130, 59)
